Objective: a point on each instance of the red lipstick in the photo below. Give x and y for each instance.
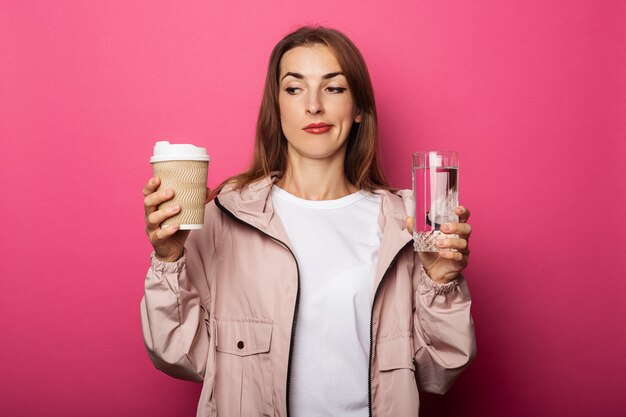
(317, 128)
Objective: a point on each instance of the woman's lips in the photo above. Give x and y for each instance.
(317, 128)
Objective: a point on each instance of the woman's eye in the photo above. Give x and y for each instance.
(336, 90)
(291, 90)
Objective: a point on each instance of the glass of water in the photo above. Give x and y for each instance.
(436, 196)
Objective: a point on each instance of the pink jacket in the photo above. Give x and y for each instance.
(225, 313)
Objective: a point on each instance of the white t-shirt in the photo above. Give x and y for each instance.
(336, 243)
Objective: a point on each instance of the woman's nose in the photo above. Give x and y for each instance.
(314, 105)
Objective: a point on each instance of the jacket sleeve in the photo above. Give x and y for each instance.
(444, 331)
(174, 310)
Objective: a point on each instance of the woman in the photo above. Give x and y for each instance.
(302, 295)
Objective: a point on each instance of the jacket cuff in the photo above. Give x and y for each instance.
(437, 288)
(168, 267)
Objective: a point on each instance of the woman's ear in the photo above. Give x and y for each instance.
(357, 118)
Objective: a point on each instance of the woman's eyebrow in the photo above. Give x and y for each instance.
(301, 77)
(332, 74)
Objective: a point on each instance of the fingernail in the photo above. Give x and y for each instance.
(440, 242)
(445, 227)
(152, 181)
(167, 193)
(174, 209)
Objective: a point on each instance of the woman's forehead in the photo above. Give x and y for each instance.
(314, 61)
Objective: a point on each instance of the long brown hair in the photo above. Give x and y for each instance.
(362, 164)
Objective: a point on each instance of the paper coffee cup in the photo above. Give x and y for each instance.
(183, 168)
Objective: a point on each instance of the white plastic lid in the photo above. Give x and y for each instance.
(165, 151)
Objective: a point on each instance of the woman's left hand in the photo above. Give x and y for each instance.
(446, 265)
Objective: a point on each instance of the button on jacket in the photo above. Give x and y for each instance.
(226, 312)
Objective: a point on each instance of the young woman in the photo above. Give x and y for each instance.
(302, 295)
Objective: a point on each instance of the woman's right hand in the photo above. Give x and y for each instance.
(168, 242)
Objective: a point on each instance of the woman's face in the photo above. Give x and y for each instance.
(313, 90)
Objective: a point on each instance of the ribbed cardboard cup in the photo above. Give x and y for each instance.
(184, 169)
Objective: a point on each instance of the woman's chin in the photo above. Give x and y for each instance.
(317, 152)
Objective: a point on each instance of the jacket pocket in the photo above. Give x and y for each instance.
(397, 390)
(243, 369)
(243, 337)
(395, 353)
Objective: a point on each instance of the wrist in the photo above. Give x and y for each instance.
(440, 278)
(442, 287)
(169, 258)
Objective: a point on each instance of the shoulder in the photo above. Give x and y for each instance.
(235, 191)
(399, 202)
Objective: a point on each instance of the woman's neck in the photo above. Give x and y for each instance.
(316, 179)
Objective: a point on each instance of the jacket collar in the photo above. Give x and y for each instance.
(253, 205)
(392, 222)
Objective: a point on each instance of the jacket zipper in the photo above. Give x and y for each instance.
(369, 367)
(295, 313)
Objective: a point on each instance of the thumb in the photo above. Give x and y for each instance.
(409, 224)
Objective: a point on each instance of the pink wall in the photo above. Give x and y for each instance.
(531, 93)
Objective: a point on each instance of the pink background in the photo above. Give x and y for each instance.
(531, 93)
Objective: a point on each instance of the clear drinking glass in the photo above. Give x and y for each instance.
(436, 195)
